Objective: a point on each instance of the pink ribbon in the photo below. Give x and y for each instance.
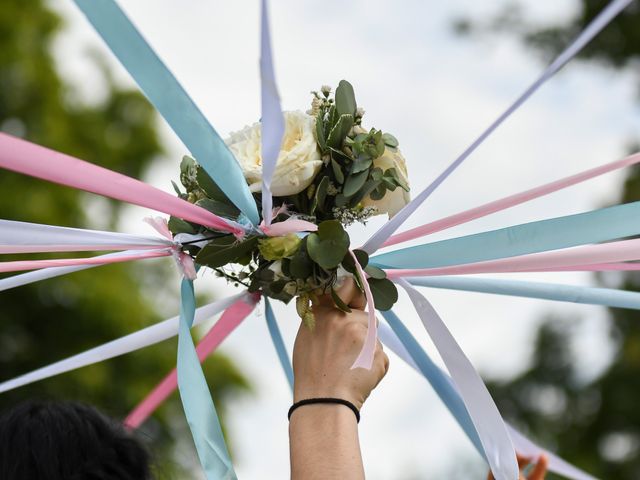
(68, 262)
(509, 201)
(5, 249)
(365, 357)
(30, 159)
(230, 319)
(290, 225)
(583, 257)
(183, 260)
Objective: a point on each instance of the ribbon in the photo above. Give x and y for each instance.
(510, 201)
(30, 159)
(183, 260)
(278, 342)
(171, 100)
(129, 343)
(272, 119)
(591, 227)
(400, 341)
(290, 225)
(484, 414)
(591, 30)
(128, 256)
(365, 357)
(608, 297)
(230, 319)
(196, 399)
(23, 237)
(579, 256)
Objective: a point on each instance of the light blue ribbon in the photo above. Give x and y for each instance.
(439, 381)
(278, 342)
(171, 100)
(591, 227)
(196, 399)
(608, 297)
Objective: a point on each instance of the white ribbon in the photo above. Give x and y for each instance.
(272, 120)
(129, 343)
(484, 414)
(23, 237)
(597, 24)
(521, 443)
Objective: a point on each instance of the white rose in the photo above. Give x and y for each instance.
(392, 202)
(299, 160)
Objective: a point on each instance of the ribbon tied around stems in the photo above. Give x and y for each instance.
(290, 225)
(183, 260)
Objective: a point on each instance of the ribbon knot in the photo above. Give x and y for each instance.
(183, 261)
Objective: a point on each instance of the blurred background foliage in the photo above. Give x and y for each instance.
(591, 422)
(50, 320)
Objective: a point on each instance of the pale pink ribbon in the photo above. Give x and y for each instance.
(20, 265)
(290, 225)
(6, 249)
(230, 319)
(508, 202)
(30, 159)
(365, 357)
(584, 256)
(183, 260)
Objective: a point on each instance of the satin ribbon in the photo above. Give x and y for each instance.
(290, 225)
(23, 237)
(196, 399)
(272, 121)
(365, 357)
(171, 100)
(483, 412)
(608, 297)
(30, 159)
(230, 319)
(129, 343)
(183, 260)
(592, 227)
(591, 30)
(399, 340)
(510, 201)
(127, 256)
(278, 342)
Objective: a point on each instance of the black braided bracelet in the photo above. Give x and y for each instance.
(338, 401)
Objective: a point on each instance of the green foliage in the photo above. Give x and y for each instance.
(50, 320)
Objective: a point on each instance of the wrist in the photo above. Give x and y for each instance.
(300, 394)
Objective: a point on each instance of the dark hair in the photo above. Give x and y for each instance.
(67, 441)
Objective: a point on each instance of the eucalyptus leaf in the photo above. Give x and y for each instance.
(206, 183)
(361, 164)
(328, 246)
(375, 272)
(176, 188)
(378, 193)
(177, 225)
(224, 250)
(348, 263)
(321, 194)
(339, 131)
(384, 291)
(345, 99)
(390, 140)
(320, 131)
(337, 171)
(219, 208)
(354, 183)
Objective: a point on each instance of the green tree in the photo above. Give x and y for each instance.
(50, 320)
(592, 423)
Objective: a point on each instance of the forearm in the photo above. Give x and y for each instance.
(324, 444)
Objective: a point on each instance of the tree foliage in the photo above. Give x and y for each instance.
(50, 320)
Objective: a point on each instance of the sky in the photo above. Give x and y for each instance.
(435, 92)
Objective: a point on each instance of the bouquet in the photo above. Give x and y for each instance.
(330, 173)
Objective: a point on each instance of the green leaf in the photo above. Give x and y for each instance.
(361, 164)
(378, 193)
(349, 265)
(354, 183)
(384, 291)
(389, 140)
(376, 173)
(176, 188)
(320, 131)
(219, 208)
(393, 173)
(224, 250)
(339, 303)
(341, 200)
(320, 196)
(177, 225)
(328, 246)
(206, 183)
(337, 171)
(339, 131)
(345, 99)
(375, 272)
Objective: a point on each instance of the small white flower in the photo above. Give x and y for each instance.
(360, 112)
(299, 160)
(325, 89)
